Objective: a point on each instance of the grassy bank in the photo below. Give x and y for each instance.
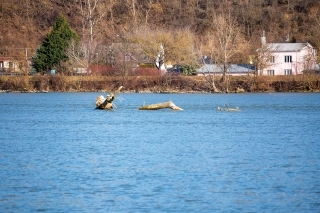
(167, 83)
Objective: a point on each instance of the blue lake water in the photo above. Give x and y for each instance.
(59, 154)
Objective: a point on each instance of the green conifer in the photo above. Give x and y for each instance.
(54, 46)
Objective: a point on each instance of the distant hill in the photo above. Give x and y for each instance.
(25, 23)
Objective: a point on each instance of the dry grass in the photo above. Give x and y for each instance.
(301, 83)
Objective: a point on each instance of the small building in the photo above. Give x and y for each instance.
(232, 69)
(7, 65)
(11, 66)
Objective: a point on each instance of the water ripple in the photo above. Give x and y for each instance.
(59, 154)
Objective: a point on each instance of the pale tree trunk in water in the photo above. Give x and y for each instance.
(163, 105)
(106, 103)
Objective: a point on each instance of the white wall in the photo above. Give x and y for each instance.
(301, 61)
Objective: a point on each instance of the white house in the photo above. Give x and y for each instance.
(287, 58)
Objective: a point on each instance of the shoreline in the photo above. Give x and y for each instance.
(159, 84)
(157, 92)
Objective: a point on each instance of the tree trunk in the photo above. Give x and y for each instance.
(106, 103)
(163, 105)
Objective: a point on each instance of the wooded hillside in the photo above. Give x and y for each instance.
(24, 23)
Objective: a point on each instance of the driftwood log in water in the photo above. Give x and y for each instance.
(228, 109)
(163, 105)
(106, 103)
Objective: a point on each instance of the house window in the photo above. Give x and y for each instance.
(10, 65)
(288, 72)
(287, 58)
(271, 59)
(270, 72)
(1, 63)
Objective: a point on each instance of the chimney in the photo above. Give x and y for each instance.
(288, 38)
(263, 39)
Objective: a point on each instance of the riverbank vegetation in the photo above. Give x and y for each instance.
(160, 83)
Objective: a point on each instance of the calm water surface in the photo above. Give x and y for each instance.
(59, 154)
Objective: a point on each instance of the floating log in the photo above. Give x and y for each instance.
(163, 105)
(106, 103)
(228, 109)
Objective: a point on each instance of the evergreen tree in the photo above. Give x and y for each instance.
(188, 70)
(54, 46)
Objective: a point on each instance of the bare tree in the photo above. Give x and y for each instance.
(172, 47)
(79, 54)
(132, 4)
(92, 12)
(225, 40)
(204, 49)
(314, 35)
(147, 10)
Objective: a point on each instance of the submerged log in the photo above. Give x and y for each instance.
(163, 105)
(228, 109)
(106, 103)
